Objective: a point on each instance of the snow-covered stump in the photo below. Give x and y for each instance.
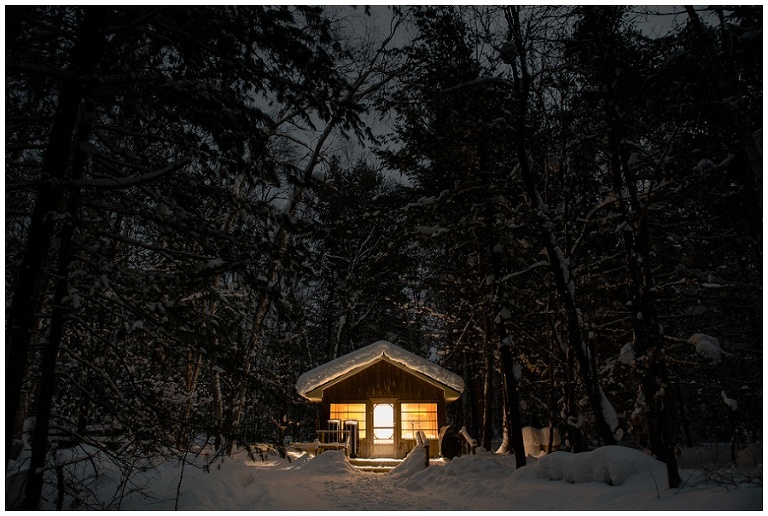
(531, 441)
(449, 442)
(733, 420)
(536, 441)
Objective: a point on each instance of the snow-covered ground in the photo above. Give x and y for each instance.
(610, 478)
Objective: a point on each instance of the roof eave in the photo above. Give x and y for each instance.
(316, 394)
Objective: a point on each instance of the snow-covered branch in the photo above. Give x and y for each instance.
(127, 182)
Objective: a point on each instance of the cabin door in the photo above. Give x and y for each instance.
(383, 440)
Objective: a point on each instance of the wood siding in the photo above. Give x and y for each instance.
(384, 381)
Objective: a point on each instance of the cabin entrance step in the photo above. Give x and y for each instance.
(375, 465)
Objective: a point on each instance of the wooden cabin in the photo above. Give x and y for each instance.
(383, 394)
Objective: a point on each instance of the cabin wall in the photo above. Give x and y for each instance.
(402, 446)
(385, 382)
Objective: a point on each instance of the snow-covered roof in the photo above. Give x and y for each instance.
(322, 375)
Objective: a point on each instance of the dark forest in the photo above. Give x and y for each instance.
(563, 205)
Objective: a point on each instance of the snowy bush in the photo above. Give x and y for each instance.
(536, 440)
(329, 462)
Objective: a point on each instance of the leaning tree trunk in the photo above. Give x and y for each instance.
(49, 357)
(560, 269)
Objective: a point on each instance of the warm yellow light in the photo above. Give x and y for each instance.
(418, 416)
(383, 423)
(350, 412)
(384, 415)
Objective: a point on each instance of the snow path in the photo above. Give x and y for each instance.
(483, 482)
(339, 487)
(366, 491)
(486, 481)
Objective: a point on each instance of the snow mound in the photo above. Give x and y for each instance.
(412, 464)
(466, 478)
(482, 482)
(481, 466)
(331, 462)
(368, 355)
(612, 465)
(706, 346)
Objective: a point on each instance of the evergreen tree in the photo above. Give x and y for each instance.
(153, 221)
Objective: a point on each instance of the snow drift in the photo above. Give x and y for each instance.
(609, 478)
(611, 465)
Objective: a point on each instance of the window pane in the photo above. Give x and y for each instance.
(418, 416)
(383, 423)
(350, 411)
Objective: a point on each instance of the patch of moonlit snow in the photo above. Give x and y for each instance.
(609, 413)
(706, 346)
(627, 354)
(730, 402)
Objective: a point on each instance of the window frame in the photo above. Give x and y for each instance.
(347, 415)
(431, 430)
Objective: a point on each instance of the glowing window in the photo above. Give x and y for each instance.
(348, 411)
(418, 416)
(383, 423)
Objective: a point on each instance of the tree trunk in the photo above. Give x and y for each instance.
(498, 310)
(39, 440)
(513, 417)
(573, 431)
(512, 412)
(194, 363)
(32, 278)
(50, 352)
(358, 90)
(218, 411)
(560, 269)
(488, 388)
(648, 338)
(469, 396)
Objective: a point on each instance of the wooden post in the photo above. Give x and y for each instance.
(426, 453)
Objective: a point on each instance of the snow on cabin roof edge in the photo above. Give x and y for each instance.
(329, 371)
